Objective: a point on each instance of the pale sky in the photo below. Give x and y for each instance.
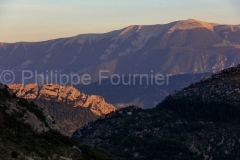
(38, 20)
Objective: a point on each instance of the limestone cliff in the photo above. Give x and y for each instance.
(69, 107)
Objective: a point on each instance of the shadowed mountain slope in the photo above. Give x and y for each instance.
(199, 122)
(26, 133)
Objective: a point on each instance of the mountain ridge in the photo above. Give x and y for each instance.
(161, 48)
(222, 86)
(174, 24)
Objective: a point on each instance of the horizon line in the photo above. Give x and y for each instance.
(96, 33)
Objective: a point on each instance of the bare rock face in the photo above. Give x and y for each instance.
(29, 91)
(63, 93)
(69, 107)
(34, 122)
(28, 117)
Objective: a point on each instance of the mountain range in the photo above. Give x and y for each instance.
(186, 47)
(181, 47)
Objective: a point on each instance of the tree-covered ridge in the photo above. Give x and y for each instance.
(159, 133)
(214, 98)
(22, 139)
(198, 122)
(223, 86)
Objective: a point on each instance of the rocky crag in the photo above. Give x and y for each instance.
(69, 107)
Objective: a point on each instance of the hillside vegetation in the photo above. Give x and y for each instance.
(198, 122)
(25, 133)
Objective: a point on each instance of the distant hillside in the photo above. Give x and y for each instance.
(70, 108)
(142, 95)
(25, 133)
(198, 122)
(180, 47)
(223, 86)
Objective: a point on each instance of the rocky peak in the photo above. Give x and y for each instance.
(192, 23)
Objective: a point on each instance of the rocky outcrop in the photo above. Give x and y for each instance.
(65, 94)
(28, 116)
(69, 107)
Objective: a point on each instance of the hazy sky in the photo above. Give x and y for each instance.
(37, 20)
